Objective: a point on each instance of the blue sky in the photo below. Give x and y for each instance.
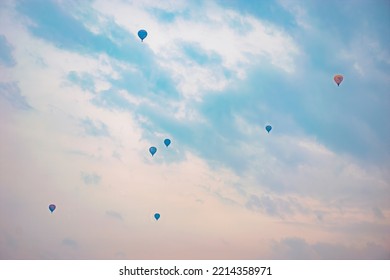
(82, 100)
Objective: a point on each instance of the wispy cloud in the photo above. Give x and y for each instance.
(300, 249)
(96, 128)
(274, 206)
(378, 212)
(68, 242)
(90, 178)
(11, 92)
(114, 215)
(6, 57)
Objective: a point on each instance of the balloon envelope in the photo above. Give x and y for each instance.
(268, 128)
(338, 79)
(152, 150)
(157, 216)
(167, 142)
(52, 207)
(142, 34)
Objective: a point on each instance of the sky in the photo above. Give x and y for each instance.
(82, 100)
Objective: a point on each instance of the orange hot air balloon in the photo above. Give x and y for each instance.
(338, 79)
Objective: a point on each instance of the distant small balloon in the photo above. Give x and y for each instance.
(338, 79)
(167, 142)
(142, 34)
(157, 216)
(152, 150)
(52, 207)
(268, 128)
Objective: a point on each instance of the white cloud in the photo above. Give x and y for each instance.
(298, 12)
(366, 54)
(315, 148)
(213, 29)
(358, 68)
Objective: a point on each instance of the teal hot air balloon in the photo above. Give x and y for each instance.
(142, 34)
(52, 207)
(152, 150)
(167, 142)
(268, 128)
(157, 216)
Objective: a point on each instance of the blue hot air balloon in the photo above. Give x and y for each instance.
(268, 128)
(52, 207)
(157, 216)
(142, 34)
(152, 150)
(167, 142)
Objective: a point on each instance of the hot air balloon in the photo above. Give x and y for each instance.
(268, 128)
(157, 216)
(167, 142)
(152, 150)
(142, 34)
(338, 79)
(52, 207)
